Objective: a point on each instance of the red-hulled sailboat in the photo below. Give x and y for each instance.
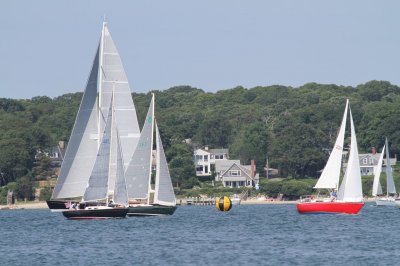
(349, 199)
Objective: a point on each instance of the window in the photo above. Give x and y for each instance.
(206, 158)
(234, 173)
(219, 156)
(199, 168)
(365, 161)
(206, 169)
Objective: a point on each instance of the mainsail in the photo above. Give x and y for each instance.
(391, 189)
(376, 186)
(83, 143)
(139, 169)
(164, 191)
(112, 75)
(330, 175)
(351, 187)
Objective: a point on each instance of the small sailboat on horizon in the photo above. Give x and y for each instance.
(380, 199)
(349, 198)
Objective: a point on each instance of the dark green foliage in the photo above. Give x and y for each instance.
(294, 127)
(24, 188)
(45, 194)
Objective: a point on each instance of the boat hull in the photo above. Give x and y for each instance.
(150, 210)
(385, 202)
(90, 214)
(57, 205)
(329, 207)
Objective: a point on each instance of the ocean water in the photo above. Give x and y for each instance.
(201, 235)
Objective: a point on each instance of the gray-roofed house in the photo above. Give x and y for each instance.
(233, 174)
(369, 161)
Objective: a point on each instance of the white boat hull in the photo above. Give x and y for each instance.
(235, 201)
(386, 202)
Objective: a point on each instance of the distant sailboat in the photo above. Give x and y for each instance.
(107, 73)
(387, 200)
(138, 174)
(95, 201)
(349, 198)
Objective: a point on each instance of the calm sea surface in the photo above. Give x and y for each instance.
(201, 235)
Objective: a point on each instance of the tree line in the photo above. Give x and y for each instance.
(294, 128)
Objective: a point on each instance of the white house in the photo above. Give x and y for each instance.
(204, 158)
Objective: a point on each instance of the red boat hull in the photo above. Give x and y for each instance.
(330, 207)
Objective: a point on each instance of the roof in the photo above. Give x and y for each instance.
(218, 151)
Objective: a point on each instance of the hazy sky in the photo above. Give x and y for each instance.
(47, 47)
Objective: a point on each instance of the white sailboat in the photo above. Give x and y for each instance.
(388, 199)
(138, 174)
(107, 73)
(95, 202)
(349, 197)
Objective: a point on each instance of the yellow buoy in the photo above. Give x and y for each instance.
(223, 204)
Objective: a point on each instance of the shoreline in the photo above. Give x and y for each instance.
(43, 205)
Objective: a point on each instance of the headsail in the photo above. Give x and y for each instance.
(351, 187)
(164, 191)
(120, 194)
(139, 169)
(98, 180)
(391, 189)
(330, 175)
(376, 186)
(83, 143)
(111, 74)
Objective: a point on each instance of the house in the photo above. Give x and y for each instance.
(204, 158)
(369, 161)
(233, 174)
(56, 155)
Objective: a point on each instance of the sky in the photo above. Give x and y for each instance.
(47, 47)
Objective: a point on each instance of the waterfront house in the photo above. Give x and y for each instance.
(233, 174)
(205, 158)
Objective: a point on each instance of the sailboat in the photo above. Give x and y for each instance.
(139, 172)
(349, 199)
(107, 72)
(95, 202)
(387, 200)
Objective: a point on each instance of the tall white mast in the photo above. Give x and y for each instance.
(100, 79)
(151, 147)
